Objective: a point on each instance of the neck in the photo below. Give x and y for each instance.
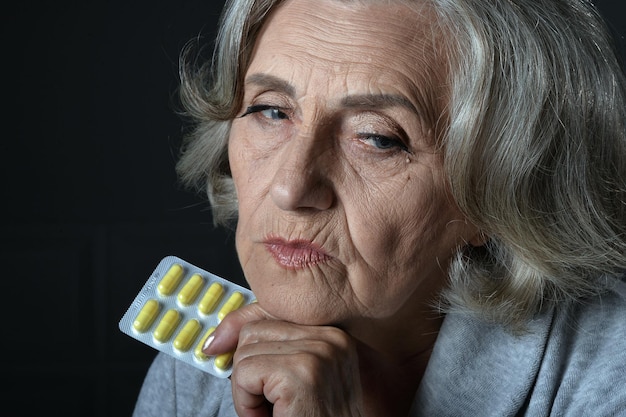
(393, 356)
(389, 385)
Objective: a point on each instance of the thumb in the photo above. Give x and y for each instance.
(226, 335)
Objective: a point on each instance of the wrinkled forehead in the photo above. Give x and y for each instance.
(394, 22)
(395, 46)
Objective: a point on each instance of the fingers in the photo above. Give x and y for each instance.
(264, 332)
(295, 369)
(282, 369)
(226, 335)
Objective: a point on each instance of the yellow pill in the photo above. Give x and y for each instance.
(171, 280)
(146, 316)
(223, 361)
(234, 302)
(166, 326)
(211, 298)
(198, 350)
(191, 290)
(187, 335)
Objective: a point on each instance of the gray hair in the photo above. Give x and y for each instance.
(534, 147)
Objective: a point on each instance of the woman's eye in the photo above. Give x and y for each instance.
(383, 142)
(269, 112)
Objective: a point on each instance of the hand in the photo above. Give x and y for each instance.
(283, 369)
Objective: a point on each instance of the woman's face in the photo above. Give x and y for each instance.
(344, 213)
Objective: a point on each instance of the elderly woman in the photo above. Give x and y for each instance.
(430, 206)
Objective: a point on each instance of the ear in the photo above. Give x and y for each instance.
(479, 239)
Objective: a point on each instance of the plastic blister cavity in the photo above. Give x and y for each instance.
(177, 310)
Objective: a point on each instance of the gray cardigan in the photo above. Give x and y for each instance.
(572, 362)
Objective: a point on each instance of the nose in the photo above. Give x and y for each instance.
(303, 181)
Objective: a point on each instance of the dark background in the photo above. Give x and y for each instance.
(90, 199)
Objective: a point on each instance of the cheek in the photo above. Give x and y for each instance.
(389, 238)
(234, 154)
(243, 187)
(401, 256)
(410, 227)
(252, 166)
(237, 155)
(245, 176)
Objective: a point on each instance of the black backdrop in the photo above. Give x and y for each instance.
(90, 197)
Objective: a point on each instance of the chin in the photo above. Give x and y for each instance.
(295, 309)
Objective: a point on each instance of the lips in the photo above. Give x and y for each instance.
(295, 254)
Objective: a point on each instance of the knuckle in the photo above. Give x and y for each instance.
(341, 340)
(249, 333)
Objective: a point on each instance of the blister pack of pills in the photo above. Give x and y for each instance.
(179, 307)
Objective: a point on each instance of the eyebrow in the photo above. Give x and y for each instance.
(355, 101)
(377, 101)
(271, 82)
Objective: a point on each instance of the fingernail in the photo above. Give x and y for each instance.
(207, 342)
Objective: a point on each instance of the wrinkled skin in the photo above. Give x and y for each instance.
(346, 225)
